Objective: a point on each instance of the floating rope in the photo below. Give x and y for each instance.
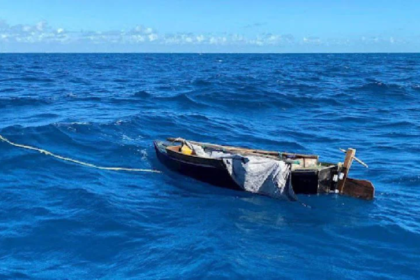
(76, 161)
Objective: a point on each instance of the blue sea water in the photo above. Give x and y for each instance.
(61, 220)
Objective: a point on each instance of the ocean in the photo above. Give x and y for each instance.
(65, 221)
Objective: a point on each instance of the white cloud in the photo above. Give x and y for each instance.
(312, 40)
(148, 30)
(153, 37)
(42, 33)
(40, 26)
(200, 38)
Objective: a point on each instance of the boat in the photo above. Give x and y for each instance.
(308, 174)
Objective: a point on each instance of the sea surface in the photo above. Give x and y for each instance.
(64, 221)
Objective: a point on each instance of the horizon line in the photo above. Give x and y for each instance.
(200, 53)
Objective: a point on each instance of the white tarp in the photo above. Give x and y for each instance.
(261, 175)
(255, 174)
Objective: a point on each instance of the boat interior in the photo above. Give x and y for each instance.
(298, 161)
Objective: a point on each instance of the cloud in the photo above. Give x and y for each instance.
(22, 37)
(312, 40)
(42, 32)
(37, 33)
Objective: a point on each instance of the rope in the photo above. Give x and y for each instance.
(76, 161)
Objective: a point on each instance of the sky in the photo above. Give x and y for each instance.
(292, 26)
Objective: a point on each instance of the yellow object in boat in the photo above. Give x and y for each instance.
(186, 150)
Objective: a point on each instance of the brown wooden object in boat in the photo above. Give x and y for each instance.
(346, 168)
(359, 189)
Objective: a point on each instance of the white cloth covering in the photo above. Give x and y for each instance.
(255, 174)
(261, 175)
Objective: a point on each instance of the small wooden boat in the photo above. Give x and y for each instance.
(309, 175)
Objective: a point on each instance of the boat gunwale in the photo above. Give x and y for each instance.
(251, 151)
(218, 163)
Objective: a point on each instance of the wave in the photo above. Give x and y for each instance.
(381, 87)
(84, 98)
(142, 94)
(416, 87)
(12, 102)
(28, 79)
(398, 124)
(9, 90)
(201, 82)
(183, 99)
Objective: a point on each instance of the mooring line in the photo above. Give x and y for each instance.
(42, 151)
